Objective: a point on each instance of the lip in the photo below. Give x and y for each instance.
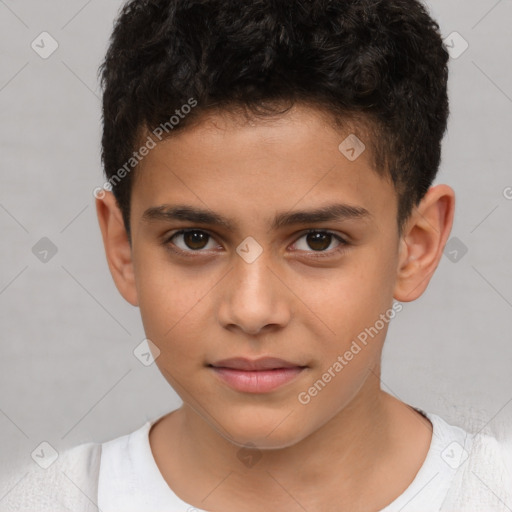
(257, 375)
(263, 363)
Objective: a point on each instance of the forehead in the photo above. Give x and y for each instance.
(253, 168)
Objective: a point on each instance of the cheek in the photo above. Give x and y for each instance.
(352, 307)
(169, 317)
(376, 274)
(354, 295)
(168, 299)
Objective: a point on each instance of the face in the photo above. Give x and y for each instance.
(258, 274)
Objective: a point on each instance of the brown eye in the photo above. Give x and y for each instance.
(191, 240)
(319, 241)
(195, 239)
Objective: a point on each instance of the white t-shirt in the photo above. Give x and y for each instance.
(130, 480)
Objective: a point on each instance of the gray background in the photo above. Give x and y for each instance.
(67, 372)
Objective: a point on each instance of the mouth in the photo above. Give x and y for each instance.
(258, 375)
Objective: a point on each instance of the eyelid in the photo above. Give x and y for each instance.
(343, 243)
(335, 234)
(166, 241)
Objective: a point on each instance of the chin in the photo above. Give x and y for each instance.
(271, 430)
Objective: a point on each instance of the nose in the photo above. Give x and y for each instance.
(254, 299)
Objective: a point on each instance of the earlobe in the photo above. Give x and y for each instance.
(117, 246)
(422, 242)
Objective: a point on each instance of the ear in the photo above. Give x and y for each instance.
(422, 242)
(117, 246)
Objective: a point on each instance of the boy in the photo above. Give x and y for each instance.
(268, 208)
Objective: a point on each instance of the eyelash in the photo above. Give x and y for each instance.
(315, 254)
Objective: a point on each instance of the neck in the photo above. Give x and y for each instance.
(345, 457)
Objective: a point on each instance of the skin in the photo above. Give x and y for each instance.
(352, 443)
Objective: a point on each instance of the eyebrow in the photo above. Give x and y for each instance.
(332, 212)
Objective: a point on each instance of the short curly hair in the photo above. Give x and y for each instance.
(379, 63)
